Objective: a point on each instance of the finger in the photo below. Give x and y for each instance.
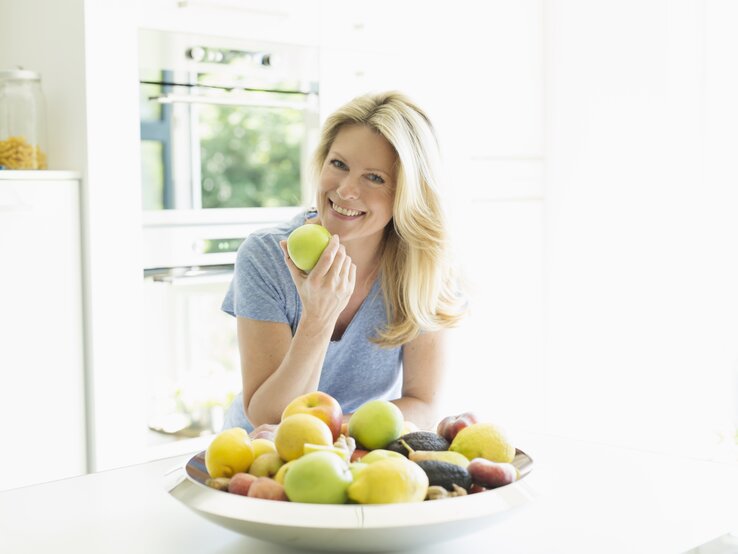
(257, 430)
(345, 267)
(352, 276)
(326, 258)
(336, 270)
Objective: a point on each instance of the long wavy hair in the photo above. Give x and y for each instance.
(421, 291)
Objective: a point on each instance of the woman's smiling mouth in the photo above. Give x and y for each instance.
(345, 211)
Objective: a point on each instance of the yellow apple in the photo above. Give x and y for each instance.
(297, 430)
(318, 404)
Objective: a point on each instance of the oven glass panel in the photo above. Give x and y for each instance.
(250, 157)
(192, 360)
(207, 147)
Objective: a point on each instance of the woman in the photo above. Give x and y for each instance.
(368, 321)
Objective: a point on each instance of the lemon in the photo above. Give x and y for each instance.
(340, 452)
(228, 453)
(483, 440)
(282, 472)
(356, 467)
(379, 454)
(389, 481)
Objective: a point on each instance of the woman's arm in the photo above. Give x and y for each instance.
(276, 367)
(423, 365)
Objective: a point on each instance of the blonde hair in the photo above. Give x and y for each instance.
(421, 292)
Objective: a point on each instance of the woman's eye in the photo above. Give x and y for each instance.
(338, 164)
(374, 178)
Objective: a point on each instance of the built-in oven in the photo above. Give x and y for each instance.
(227, 129)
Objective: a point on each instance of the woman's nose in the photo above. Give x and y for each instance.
(348, 189)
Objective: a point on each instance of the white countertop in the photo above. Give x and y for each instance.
(37, 175)
(590, 498)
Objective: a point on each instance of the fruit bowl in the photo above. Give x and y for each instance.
(348, 527)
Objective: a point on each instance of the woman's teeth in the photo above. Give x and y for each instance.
(346, 212)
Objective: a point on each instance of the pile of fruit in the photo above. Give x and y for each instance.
(375, 458)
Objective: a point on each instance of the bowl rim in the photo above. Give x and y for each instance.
(208, 501)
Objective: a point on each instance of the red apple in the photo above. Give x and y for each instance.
(240, 483)
(449, 426)
(358, 454)
(318, 404)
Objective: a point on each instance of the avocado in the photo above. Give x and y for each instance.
(418, 440)
(445, 474)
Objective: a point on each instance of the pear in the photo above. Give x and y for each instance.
(447, 456)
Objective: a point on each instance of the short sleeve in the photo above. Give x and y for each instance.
(257, 290)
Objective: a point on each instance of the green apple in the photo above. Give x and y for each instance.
(376, 424)
(306, 243)
(318, 478)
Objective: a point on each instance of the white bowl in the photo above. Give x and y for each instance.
(348, 527)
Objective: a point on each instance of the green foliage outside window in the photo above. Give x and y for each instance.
(250, 157)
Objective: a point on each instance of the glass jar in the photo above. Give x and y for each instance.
(22, 121)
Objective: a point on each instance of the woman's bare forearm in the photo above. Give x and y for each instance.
(298, 373)
(421, 413)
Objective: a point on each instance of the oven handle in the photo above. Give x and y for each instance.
(225, 101)
(191, 276)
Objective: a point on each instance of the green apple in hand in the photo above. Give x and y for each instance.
(306, 243)
(376, 424)
(318, 478)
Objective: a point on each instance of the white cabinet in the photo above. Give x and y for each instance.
(41, 354)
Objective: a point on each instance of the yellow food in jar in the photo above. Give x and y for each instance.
(16, 153)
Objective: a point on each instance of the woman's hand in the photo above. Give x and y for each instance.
(326, 290)
(264, 431)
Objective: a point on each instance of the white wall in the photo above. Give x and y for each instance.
(641, 233)
(477, 69)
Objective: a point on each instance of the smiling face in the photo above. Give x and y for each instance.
(357, 186)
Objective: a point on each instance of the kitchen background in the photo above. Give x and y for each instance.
(589, 150)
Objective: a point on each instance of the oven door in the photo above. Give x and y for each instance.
(191, 349)
(225, 124)
(192, 361)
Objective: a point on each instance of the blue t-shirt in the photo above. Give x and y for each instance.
(355, 369)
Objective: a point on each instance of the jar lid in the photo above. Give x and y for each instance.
(19, 75)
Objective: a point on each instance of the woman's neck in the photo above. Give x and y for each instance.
(367, 258)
